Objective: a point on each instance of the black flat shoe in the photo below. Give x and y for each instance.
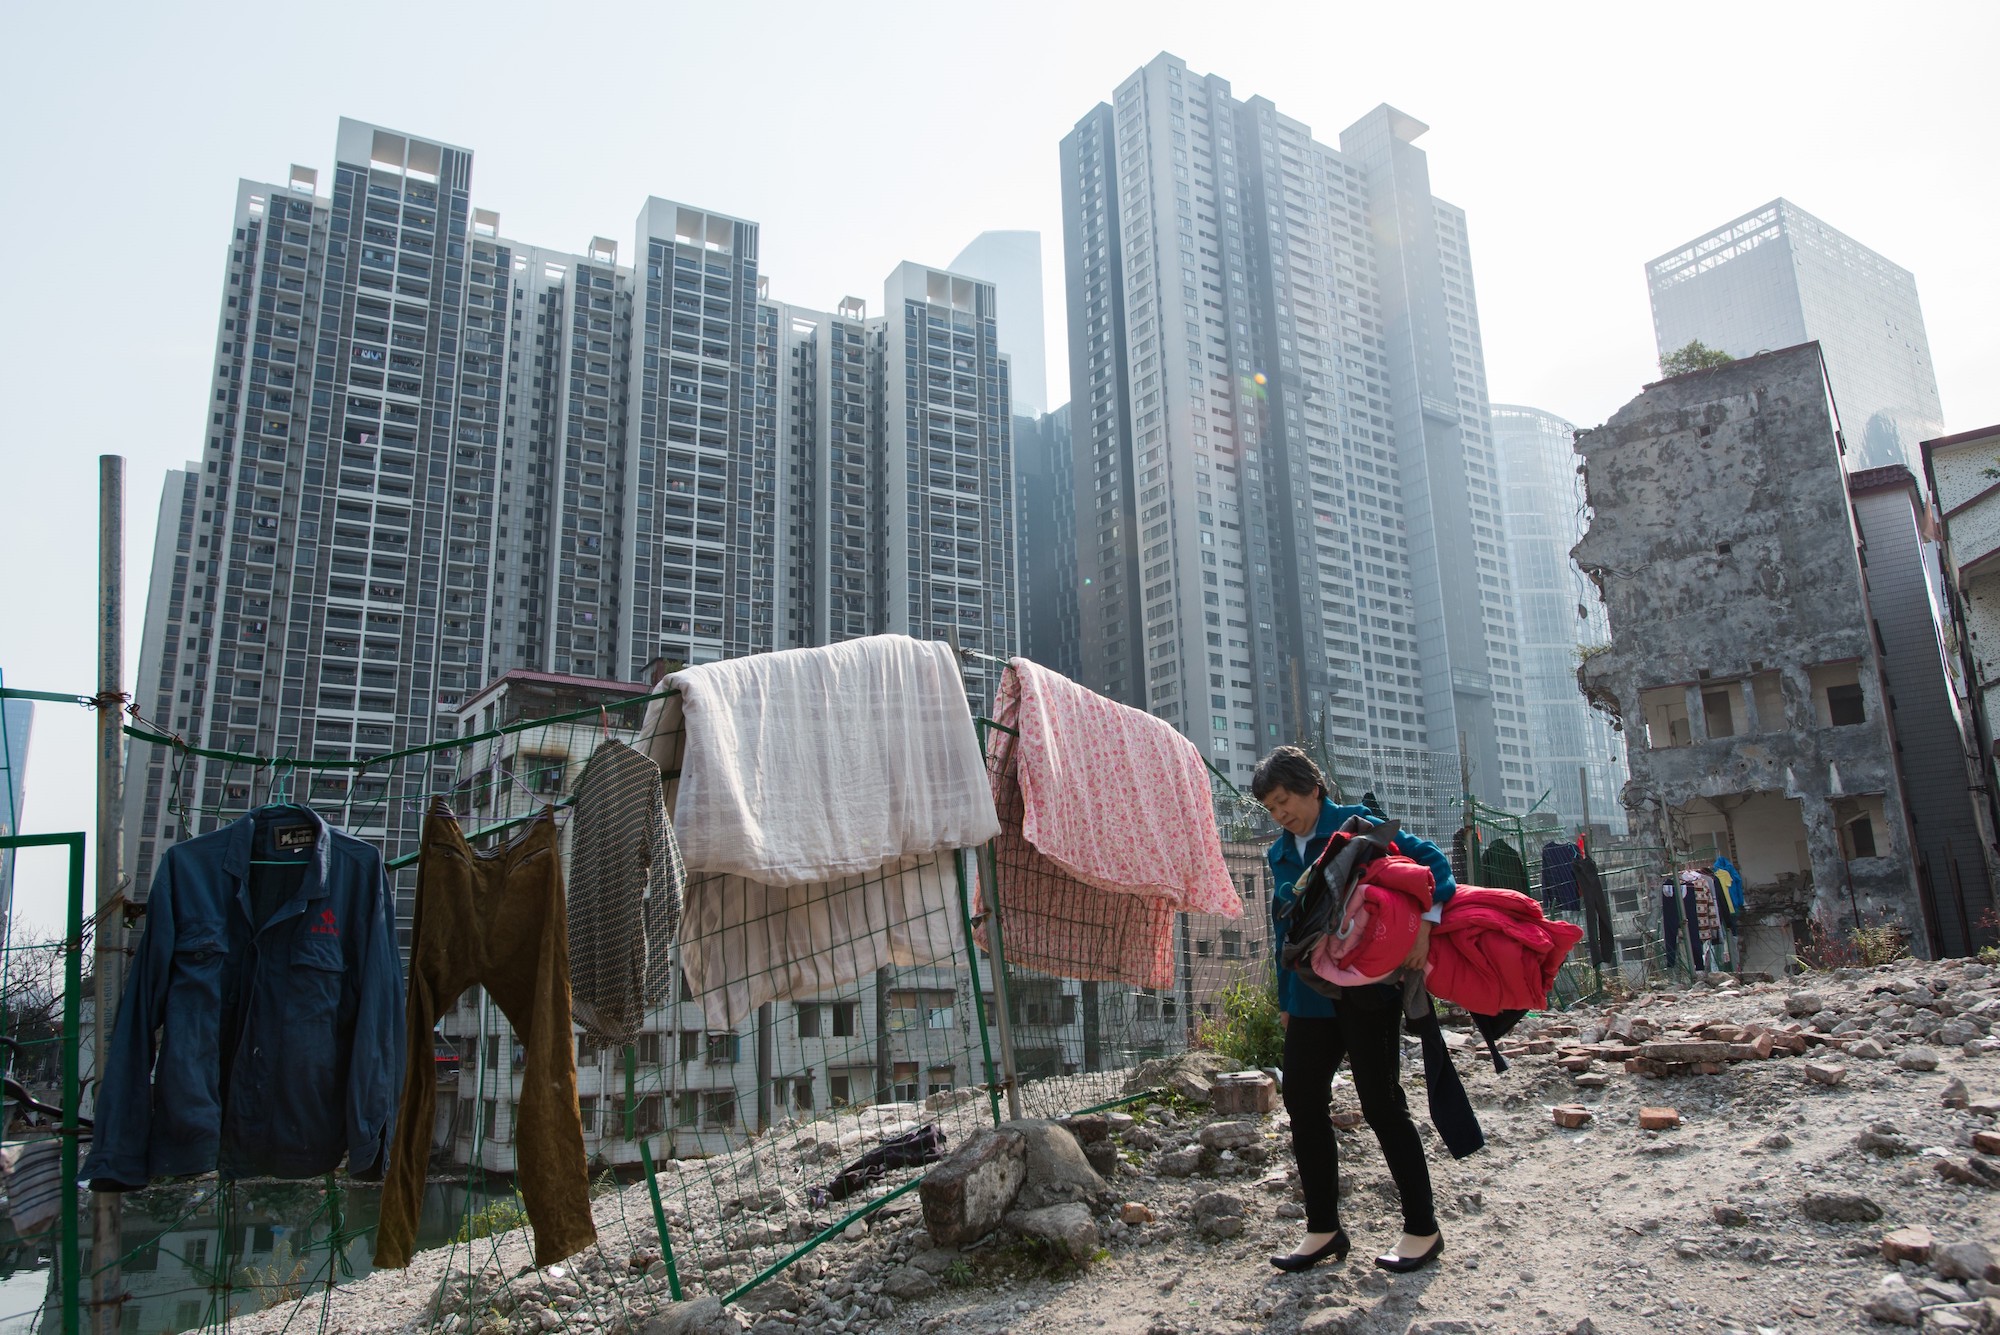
(1336, 1247)
(1403, 1265)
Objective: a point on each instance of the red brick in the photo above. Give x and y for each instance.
(1658, 1119)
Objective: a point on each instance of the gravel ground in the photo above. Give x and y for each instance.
(1764, 1211)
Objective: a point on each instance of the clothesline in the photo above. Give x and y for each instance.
(989, 658)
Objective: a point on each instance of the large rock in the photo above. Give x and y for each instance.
(1908, 1244)
(701, 1316)
(1973, 1171)
(1103, 1156)
(1965, 1260)
(1804, 1003)
(1068, 1226)
(1895, 1302)
(965, 1197)
(1231, 1135)
(1057, 1171)
(1180, 1163)
(908, 1281)
(1219, 1214)
(1839, 1207)
(1918, 1059)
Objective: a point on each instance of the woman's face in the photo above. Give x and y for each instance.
(1296, 813)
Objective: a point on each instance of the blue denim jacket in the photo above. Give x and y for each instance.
(261, 1030)
(1294, 997)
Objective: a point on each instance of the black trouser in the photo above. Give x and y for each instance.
(1368, 1036)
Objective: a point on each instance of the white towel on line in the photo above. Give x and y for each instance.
(814, 765)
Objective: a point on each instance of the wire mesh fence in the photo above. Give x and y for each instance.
(775, 1092)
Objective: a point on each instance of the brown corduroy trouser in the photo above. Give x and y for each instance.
(495, 919)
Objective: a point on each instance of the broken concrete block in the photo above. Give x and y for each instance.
(965, 1197)
(1804, 1003)
(1986, 1142)
(1231, 1135)
(1976, 1171)
(1219, 1214)
(1592, 1080)
(1825, 1073)
(1658, 1119)
(1965, 1260)
(1913, 1243)
(1684, 1052)
(1057, 1171)
(1192, 1086)
(1895, 1302)
(1086, 1127)
(1068, 1226)
(1180, 1163)
(1867, 1049)
(1243, 1094)
(907, 1281)
(1571, 1115)
(1839, 1207)
(1918, 1059)
(1103, 1156)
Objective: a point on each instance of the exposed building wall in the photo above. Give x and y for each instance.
(1939, 768)
(1045, 507)
(1724, 545)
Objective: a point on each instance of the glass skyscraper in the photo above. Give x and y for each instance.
(1579, 758)
(1777, 277)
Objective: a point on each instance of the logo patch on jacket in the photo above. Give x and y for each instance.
(326, 926)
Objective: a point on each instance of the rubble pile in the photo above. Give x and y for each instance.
(1742, 1157)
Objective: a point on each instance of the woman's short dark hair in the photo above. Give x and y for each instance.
(1288, 768)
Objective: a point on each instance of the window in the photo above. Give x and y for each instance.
(1665, 710)
(839, 1090)
(1836, 689)
(843, 1018)
(722, 1049)
(1203, 946)
(808, 1019)
(905, 1086)
(687, 1109)
(1860, 823)
(1232, 944)
(1719, 710)
(649, 1049)
(690, 1045)
(587, 1109)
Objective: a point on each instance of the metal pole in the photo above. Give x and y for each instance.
(105, 1235)
(1583, 789)
(989, 891)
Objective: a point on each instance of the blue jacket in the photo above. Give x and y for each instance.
(1294, 997)
(277, 998)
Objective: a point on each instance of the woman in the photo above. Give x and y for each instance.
(1364, 1027)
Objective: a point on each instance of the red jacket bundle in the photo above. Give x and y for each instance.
(1379, 927)
(1495, 951)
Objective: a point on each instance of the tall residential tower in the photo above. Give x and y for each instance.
(434, 454)
(1286, 488)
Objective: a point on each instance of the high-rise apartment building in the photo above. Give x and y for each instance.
(1045, 506)
(1012, 262)
(1288, 504)
(1579, 758)
(1778, 277)
(435, 454)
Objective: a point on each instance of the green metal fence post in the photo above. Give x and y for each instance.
(646, 1163)
(978, 996)
(70, 1258)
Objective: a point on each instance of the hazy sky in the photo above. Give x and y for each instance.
(1581, 139)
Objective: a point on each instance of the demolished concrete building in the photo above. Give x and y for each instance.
(1745, 663)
